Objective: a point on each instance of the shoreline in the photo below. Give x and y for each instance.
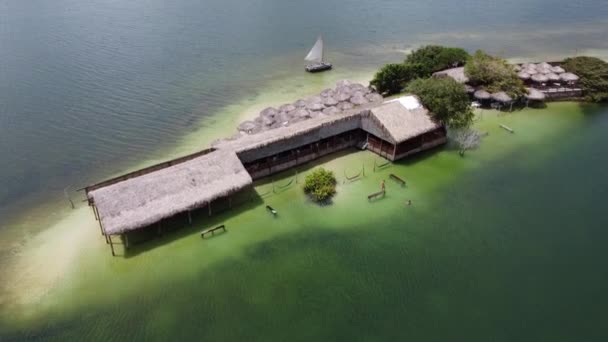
(57, 233)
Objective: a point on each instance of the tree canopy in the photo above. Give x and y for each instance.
(493, 74)
(446, 99)
(392, 78)
(421, 63)
(593, 73)
(320, 185)
(433, 58)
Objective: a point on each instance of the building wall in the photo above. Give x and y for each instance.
(297, 156)
(420, 143)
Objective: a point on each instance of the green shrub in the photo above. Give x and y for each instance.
(433, 58)
(392, 78)
(593, 73)
(320, 185)
(446, 100)
(493, 74)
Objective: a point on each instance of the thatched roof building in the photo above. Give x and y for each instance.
(400, 123)
(147, 196)
(140, 201)
(392, 121)
(456, 73)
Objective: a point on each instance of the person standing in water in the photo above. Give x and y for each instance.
(382, 186)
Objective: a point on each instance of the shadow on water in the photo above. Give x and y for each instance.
(178, 227)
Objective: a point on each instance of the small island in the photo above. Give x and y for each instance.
(409, 107)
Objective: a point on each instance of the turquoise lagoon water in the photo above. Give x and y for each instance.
(505, 244)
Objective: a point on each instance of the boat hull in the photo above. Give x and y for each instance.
(318, 67)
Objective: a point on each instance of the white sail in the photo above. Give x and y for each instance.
(316, 53)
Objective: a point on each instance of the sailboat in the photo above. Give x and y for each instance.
(316, 57)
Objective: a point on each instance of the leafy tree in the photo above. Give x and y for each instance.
(446, 99)
(493, 74)
(593, 73)
(433, 58)
(392, 78)
(320, 185)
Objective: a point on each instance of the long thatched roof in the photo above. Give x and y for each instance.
(144, 200)
(196, 181)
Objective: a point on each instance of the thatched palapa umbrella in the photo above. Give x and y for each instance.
(553, 77)
(558, 70)
(568, 77)
(249, 127)
(287, 108)
(482, 95)
(330, 101)
(501, 97)
(373, 97)
(469, 89)
(539, 78)
(531, 71)
(535, 94)
(358, 100)
(523, 75)
(315, 107)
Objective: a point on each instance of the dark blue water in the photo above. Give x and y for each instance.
(88, 88)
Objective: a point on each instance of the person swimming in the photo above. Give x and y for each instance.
(382, 186)
(408, 203)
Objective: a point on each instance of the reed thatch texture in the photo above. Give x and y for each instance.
(402, 124)
(568, 77)
(539, 78)
(523, 75)
(144, 200)
(535, 94)
(271, 142)
(456, 73)
(482, 95)
(501, 97)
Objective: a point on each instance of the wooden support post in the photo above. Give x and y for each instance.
(111, 245)
(394, 151)
(189, 217)
(230, 202)
(94, 212)
(209, 206)
(126, 237)
(159, 228)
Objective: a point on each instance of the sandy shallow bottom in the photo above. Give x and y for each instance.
(483, 227)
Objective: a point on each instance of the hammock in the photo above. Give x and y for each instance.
(353, 177)
(281, 187)
(376, 166)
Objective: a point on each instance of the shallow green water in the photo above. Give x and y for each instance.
(505, 244)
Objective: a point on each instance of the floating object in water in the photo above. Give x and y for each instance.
(507, 128)
(271, 210)
(316, 57)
